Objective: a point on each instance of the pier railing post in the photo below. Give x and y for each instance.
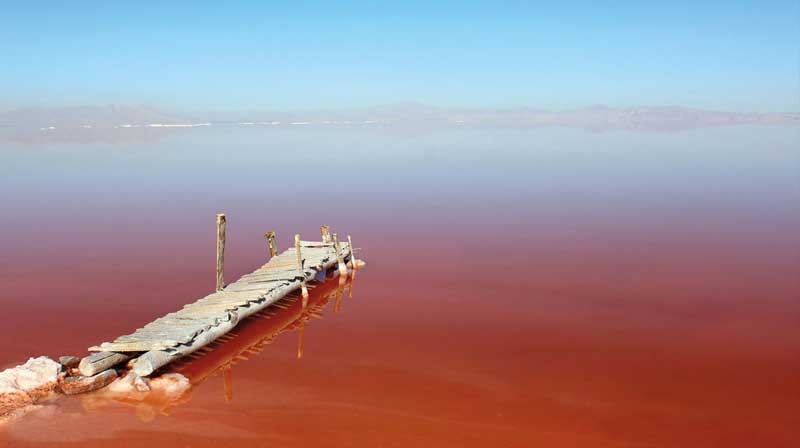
(300, 269)
(273, 247)
(326, 233)
(352, 252)
(340, 260)
(220, 250)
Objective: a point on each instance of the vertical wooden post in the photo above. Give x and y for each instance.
(352, 252)
(220, 250)
(273, 247)
(338, 248)
(326, 233)
(300, 269)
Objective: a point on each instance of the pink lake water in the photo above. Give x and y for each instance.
(543, 287)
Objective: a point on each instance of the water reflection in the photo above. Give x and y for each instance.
(248, 339)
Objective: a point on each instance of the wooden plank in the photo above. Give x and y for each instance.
(97, 362)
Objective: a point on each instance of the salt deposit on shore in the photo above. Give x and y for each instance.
(165, 384)
(26, 384)
(22, 387)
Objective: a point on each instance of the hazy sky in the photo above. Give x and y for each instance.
(730, 55)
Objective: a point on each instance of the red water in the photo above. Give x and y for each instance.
(638, 309)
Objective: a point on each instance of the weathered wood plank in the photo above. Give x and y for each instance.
(97, 362)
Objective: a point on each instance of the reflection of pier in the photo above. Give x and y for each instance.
(248, 339)
(253, 336)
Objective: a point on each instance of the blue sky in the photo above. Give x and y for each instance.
(198, 56)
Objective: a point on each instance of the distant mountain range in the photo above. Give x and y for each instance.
(96, 116)
(598, 118)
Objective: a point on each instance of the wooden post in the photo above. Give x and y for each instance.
(220, 250)
(352, 252)
(300, 269)
(273, 247)
(326, 233)
(337, 247)
(98, 362)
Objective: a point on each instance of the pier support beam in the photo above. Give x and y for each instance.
(220, 250)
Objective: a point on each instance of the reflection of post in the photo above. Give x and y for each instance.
(326, 233)
(300, 340)
(340, 260)
(220, 250)
(300, 269)
(273, 247)
(350, 286)
(339, 292)
(228, 383)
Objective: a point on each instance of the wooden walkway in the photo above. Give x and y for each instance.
(180, 333)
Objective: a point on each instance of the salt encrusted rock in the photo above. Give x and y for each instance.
(170, 384)
(69, 361)
(25, 384)
(81, 384)
(133, 385)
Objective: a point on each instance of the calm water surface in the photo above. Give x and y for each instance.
(523, 288)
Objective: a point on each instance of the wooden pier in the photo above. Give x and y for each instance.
(197, 324)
